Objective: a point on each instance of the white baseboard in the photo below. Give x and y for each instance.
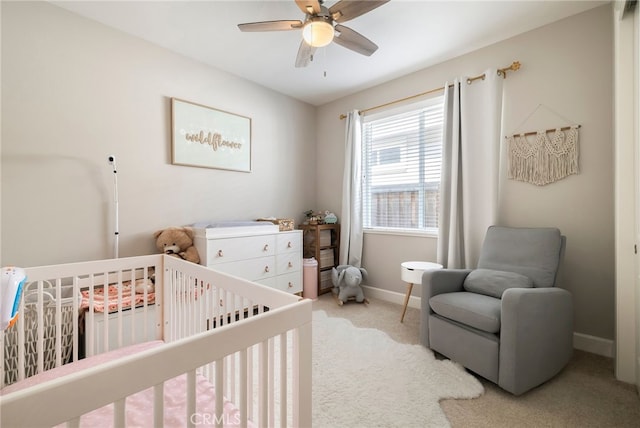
(593, 344)
(582, 342)
(390, 296)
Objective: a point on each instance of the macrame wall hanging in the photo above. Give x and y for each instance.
(543, 157)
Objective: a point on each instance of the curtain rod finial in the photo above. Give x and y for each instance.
(513, 67)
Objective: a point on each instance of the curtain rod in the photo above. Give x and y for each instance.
(501, 72)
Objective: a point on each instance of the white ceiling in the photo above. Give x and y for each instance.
(411, 35)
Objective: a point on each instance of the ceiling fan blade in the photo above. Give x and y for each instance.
(348, 9)
(353, 40)
(271, 26)
(311, 7)
(305, 54)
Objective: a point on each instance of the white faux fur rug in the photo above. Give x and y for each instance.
(363, 378)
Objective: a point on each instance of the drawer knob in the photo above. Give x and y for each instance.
(220, 253)
(289, 244)
(266, 247)
(266, 268)
(290, 264)
(291, 285)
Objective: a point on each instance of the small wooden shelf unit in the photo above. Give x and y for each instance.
(322, 241)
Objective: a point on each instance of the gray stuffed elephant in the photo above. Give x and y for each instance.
(346, 283)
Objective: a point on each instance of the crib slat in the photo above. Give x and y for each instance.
(263, 384)
(21, 339)
(120, 337)
(90, 338)
(219, 393)
(250, 375)
(243, 389)
(158, 405)
(193, 304)
(40, 328)
(75, 336)
(302, 381)
(159, 318)
(216, 306)
(105, 314)
(231, 392)
(132, 307)
(271, 392)
(3, 366)
(191, 398)
(283, 380)
(58, 324)
(119, 413)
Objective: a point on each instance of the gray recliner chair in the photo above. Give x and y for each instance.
(505, 320)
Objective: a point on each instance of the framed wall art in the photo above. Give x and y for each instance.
(206, 137)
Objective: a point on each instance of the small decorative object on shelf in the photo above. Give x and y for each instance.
(330, 218)
(314, 217)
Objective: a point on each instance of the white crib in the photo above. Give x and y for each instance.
(241, 348)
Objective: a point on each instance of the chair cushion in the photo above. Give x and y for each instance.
(472, 309)
(493, 282)
(534, 252)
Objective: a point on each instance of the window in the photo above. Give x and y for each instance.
(402, 154)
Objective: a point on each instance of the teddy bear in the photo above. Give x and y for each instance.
(177, 242)
(346, 281)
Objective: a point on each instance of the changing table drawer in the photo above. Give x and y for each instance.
(289, 243)
(287, 263)
(291, 282)
(254, 269)
(232, 249)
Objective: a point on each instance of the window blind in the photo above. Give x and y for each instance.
(401, 160)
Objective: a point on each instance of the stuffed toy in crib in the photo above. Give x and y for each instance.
(346, 283)
(177, 242)
(148, 283)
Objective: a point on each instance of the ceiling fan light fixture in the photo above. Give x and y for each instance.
(317, 32)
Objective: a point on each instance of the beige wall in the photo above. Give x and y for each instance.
(75, 92)
(566, 66)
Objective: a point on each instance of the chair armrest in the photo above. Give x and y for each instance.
(536, 336)
(440, 281)
(436, 282)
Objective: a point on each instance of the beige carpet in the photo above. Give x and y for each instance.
(584, 394)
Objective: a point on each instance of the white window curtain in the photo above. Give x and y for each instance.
(351, 227)
(470, 168)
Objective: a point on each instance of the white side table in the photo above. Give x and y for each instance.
(411, 272)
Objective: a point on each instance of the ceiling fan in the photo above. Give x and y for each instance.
(323, 25)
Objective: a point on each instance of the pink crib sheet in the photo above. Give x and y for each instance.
(128, 296)
(139, 406)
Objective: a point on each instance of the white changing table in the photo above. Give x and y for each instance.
(256, 251)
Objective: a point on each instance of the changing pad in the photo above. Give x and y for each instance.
(222, 228)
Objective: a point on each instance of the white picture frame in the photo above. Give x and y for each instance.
(206, 137)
